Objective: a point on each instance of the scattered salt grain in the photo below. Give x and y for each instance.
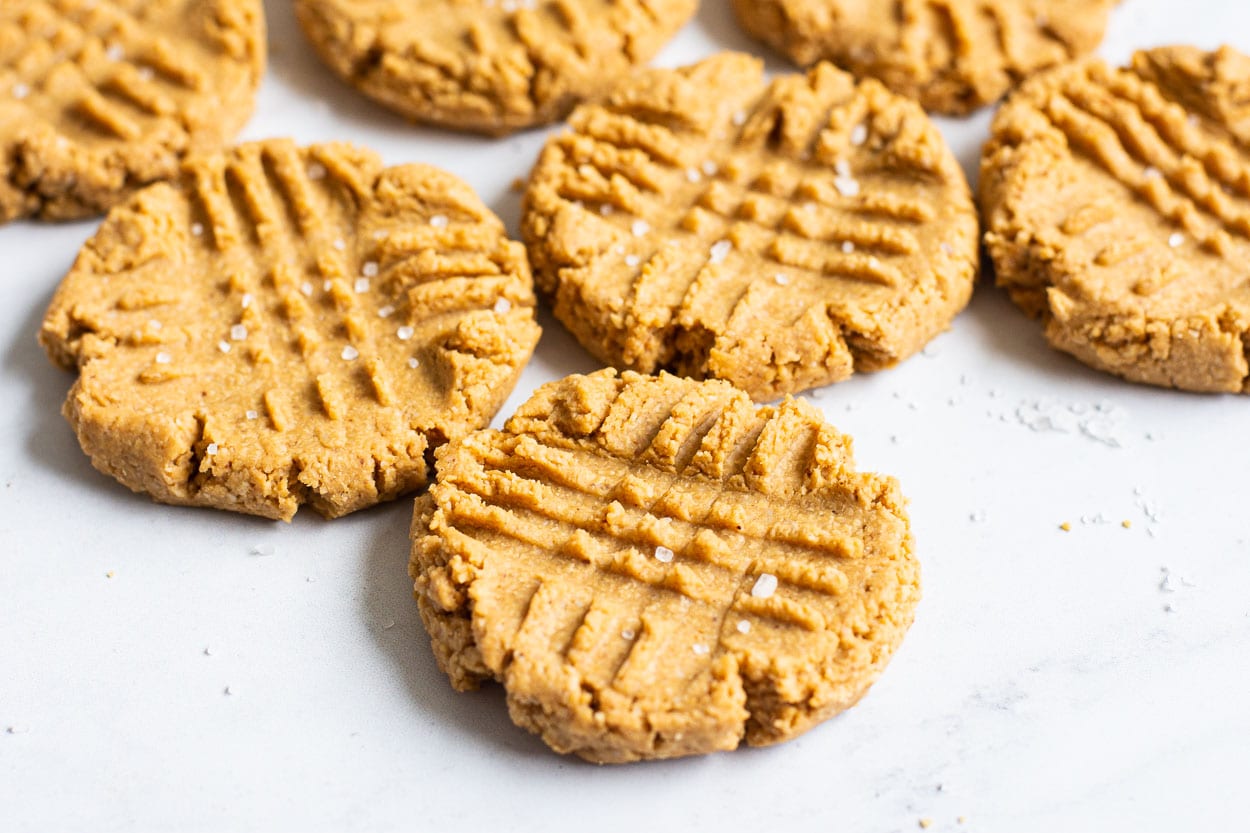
(847, 186)
(20, 91)
(307, 288)
(439, 221)
(339, 244)
(316, 171)
(781, 279)
(238, 332)
(251, 415)
(370, 269)
(197, 229)
(664, 555)
(693, 175)
(414, 363)
(386, 311)
(115, 52)
(362, 285)
(502, 306)
(640, 227)
(246, 300)
(720, 250)
(847, 247)
(710, 168)
(744, 626)
(350, 353)
(700, 650)
(739, 118)
(1152, 172)
(163, 358)
(859, 134)
(223, 346)
(211, 449)
(765, 586)
(627, 634)
(404, 333)
(632, 260)
(1176, 240)
(605, 210)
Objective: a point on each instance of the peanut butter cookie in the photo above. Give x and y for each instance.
(653, 567)
(491, 66)
(779, 236)
(101, 97)
(1117, 205)
(952, 55)
(283, 326)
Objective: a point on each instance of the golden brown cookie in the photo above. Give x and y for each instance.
(654, 567)
(952, 55)
(284, 326)
(491, 66)
(1117, 206)
(101, 97)
(779, 236)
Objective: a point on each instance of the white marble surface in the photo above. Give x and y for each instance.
(1050, 682)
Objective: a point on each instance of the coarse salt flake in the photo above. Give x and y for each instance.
(781, 279)
(163, 358)
(115, 52)
(197, 229)
(847, 186)
(859, 134)
(369, 269)
(744, 626)
(339, 244)
(739, 118)
(1176, 240)
(627, 634)
(20, 91)
(414, 363)
(307, 288)
(700, 649)
(211, 449)
(632, 260)
(502, 306)
(223, 346)
(842, 168)
(847, 247)
(710, 168)
(251, 414)
(439, 221)
(765, 586)
(693, 175)
(238, 332)
(362, 285)
(246, 301)
(720, 251)
(350, 353)
(404, 333)
(386, 311)
(664, 555)
(640, 227)
(605, 209)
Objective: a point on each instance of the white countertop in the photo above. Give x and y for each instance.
(1050, 683)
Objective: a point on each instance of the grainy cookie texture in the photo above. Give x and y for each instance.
(777, 235)
(492, 66)
(654, 567)
(952, 55)
(101, 97)
(283, 326)
(1117, 205)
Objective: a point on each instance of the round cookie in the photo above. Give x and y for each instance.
(951, 55)
(1117, 207)
(654, 567)
(101, 97)
(776, 235)
(283, 326)
(491, 66)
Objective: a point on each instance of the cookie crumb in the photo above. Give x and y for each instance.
(664, 555)
(228, 691)
(316, 171)
(1127, 524)
(1065, 526)
(961, 819)
(765, 586)
(926, 823)
(208, 651)
(110, 574)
